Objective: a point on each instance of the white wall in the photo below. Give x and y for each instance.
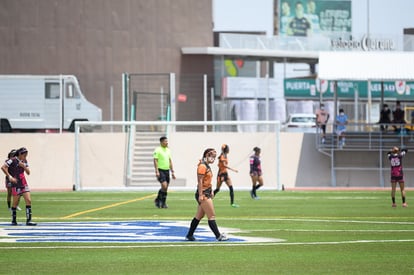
(102, 158)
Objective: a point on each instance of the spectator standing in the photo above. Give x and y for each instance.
(322, 117)
(341, 122)
(398, 117)
(385, 117)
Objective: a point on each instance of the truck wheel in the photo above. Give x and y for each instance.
(5, 126)
(72, 125)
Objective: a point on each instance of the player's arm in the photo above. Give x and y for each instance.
(5, 170)
(228, 167)
(157, 173)
(201, 196)
(172, 169)
(25, 167)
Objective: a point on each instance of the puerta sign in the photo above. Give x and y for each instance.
(311, 88)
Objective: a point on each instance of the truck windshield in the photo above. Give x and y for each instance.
(71, 91)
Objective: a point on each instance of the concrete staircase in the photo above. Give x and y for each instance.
(142, 166)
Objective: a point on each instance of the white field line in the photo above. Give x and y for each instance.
(195, 244)
(232, 219)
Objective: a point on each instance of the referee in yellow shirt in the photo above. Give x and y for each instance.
(163, 165)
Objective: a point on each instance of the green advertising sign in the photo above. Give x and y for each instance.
(310, 88)
(303, 18)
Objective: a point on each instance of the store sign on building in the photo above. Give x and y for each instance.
(366, 43)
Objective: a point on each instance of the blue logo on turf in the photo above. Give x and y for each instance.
(113, 232)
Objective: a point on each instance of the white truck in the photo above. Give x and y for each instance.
(43, 102)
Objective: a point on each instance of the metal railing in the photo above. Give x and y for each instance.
(369, 137)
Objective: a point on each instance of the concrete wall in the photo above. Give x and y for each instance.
(102, 160)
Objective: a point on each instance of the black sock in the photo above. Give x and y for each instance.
(159, 195)
(193, 227)
(28, 213)
(231, 194)
(163, 197)
(216, 191)
(403, 199)
(13, 214)
(393, 199)
(9, 204)
(214, 228)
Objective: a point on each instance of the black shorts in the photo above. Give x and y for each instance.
(208, 193)
(164, 176)
(222, 177)
(397, 179)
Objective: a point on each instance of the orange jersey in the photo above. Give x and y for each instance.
(222, 164)
(204, 170)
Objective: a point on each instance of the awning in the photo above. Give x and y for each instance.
(366, 66)
(257, 54)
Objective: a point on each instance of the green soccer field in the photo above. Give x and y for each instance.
(303, 233)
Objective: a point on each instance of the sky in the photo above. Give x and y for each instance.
(388, 17)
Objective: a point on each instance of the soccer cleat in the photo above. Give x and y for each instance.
(31, 224)
(18, 208)
(190, 238)
(404, 204)
(164, 205)
(222, 238)
(235, 205)
(394, 205)
(252, 195)
(157, 203)
(13, 223)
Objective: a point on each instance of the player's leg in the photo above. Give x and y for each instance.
(231, 191)
(402, 188)
(194, 223)
(254, 180)
(9, 197)
(260, 184)
(393, 187)
(208, 208)
(15, 194)
(218, 186)
(28, 201)
(164, 193)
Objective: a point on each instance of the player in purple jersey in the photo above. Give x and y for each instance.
(8, 184)
(15, 169)
(397, 176)
(255, 172)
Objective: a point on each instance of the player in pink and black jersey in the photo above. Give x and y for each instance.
(397, 175)
(255, 172)
(15, 169)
